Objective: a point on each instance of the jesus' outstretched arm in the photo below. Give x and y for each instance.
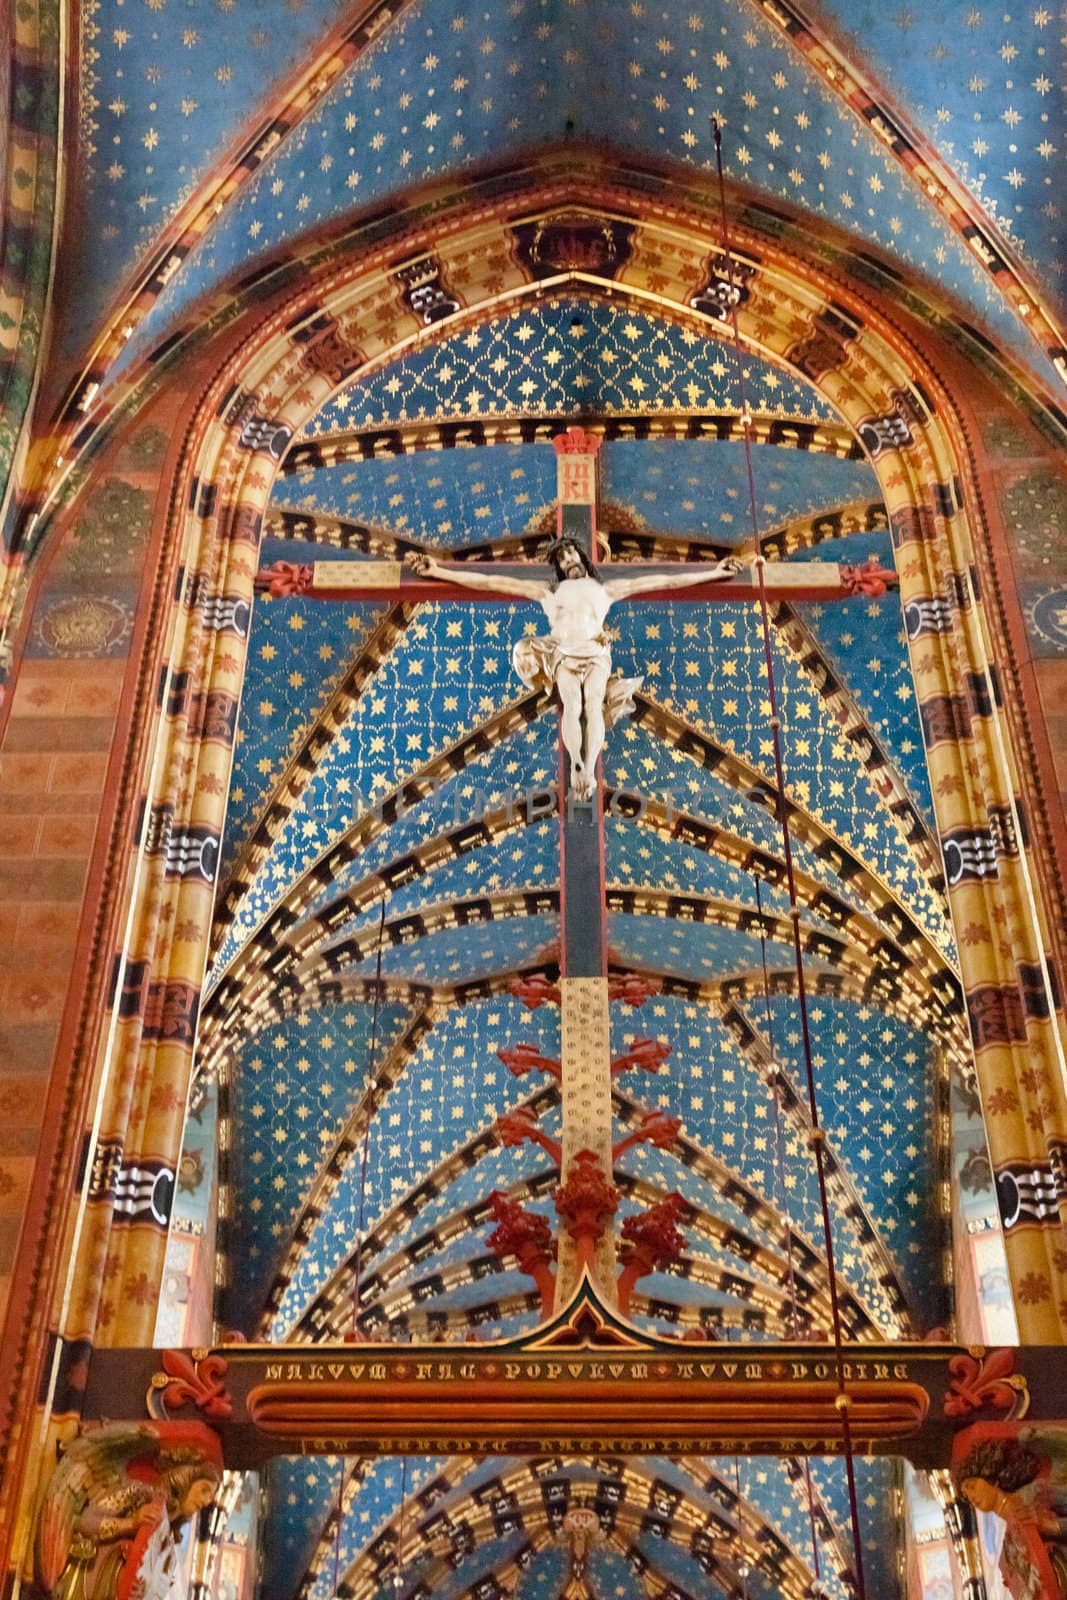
(623, 588)
(456, 572)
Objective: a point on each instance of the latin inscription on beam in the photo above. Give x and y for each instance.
(587, 1380)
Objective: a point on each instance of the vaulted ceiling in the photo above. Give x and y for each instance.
(362, 1061)
(211, 137)
(357, 699)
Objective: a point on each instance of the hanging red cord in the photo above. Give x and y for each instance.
(816, 1560)
(398, 1575)
(339, 1516)
(779, 1135)
(372, 1055)
(783, 1200)
(816, 1135)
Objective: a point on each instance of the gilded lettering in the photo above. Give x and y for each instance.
(274, 1370)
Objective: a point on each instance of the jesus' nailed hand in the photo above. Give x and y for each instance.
(575, 655)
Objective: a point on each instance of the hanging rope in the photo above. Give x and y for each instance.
(398, 1575)
(816, 1134)
(372, 1056)
(339, 1517)
(779, 1131)
(783, 1201)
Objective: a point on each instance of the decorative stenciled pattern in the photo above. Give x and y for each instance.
(439, 90)
(562, 357)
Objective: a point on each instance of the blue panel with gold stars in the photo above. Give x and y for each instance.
(878, 1490)
(294, 1086)
(726, 1107)
(378, 1489)
(299, 650)
(563, 356)
(700, 487)
(877, 1095)
(454, 1086)
(456, 498)
(705, 663)
(163, 89)
(445, 677)
(866, 645)
(981, 83)
(440, 91)
(300, 1493)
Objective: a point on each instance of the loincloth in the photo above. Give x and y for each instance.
(537, 660)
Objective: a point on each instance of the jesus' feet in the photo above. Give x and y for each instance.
(582, 783)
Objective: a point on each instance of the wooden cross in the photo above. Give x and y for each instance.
(585, 1028)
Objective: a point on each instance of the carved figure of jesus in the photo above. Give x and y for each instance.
(575, 654)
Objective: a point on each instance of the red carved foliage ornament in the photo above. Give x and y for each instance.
(523, 1058)
(647, 1054)
(285, 578)
(867, 577)
(527, 1237)
(633, 989)
(586, 1202)
(978, 1383)
(653, 1237)
(576, 442)
(535, 991)
(192, 1378)
(519, 1233)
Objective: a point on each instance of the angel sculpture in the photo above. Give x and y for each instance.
(109, 1515)
(1024, 1481)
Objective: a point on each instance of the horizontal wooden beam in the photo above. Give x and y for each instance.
(588, 1381)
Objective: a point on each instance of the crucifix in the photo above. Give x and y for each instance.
(574, 659)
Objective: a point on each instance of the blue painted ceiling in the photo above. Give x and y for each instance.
(443, 89)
